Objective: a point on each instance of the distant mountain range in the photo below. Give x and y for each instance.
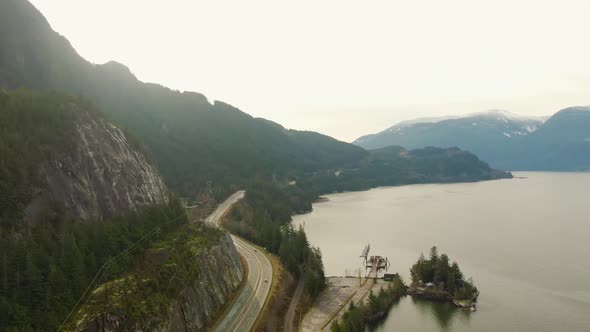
(505, 140)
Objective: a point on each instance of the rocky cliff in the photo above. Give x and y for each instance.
(60, 154)
(220, 273)
(104, 175)
(64, 166)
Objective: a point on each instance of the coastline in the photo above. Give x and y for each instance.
(443, 296)
(343, 212)
(320, 199)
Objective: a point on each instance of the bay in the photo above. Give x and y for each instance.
(525, 242)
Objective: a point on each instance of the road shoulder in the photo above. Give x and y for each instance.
(231, 300)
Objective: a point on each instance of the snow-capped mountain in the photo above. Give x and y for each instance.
(502, 115)
(453, 130)
(499, 137)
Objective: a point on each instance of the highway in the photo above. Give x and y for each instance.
(248, 305)
(224, 207)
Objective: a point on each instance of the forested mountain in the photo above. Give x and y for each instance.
(504, 140)
(193, 140)
(59, 153)
(75, 190)
(395, 166)
(562, 143)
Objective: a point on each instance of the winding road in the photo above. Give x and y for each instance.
(248, 305)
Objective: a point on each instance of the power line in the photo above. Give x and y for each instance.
(112, 261)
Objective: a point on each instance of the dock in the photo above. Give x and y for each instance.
(333, 302)
(376, 263)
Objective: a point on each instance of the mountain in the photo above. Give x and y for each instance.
(60, 153)
(503, 139)
(193, 140)
(562, 143)
(75, 190)
(485, 133)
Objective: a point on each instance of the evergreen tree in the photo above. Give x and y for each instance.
(433, 257)
(445, 276)
(353, 319)
(373, 303)
(337, 327)
(451, 282)
(417, 270)
(457, 271)
(441, 270)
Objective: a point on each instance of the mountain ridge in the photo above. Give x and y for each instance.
(194, 141)
(489, 113)
(507, 142)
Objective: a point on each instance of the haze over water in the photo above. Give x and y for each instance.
(524, 242)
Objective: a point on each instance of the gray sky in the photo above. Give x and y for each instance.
(345, 68)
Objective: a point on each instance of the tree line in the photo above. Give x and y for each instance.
(45, 269)
(263, 217)
(444, 276)
(358, 316)
(141, 296)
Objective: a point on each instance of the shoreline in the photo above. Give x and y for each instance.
(320, 199)
(443, 296)
(323, 198)
(494, 308)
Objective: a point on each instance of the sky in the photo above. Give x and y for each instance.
(345, 68)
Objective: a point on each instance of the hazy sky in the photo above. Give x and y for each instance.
(345, 68)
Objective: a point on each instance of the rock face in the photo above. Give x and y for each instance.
(221, 273)
(104, 176)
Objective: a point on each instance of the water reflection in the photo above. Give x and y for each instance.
(377, 325)
(443, 312)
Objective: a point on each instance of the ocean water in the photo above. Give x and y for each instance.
(524, 241)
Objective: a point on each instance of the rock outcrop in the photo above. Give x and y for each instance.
(221, 273)
(105, 175)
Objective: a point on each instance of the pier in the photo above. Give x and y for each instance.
(333, 302)
(375, 264)
(365, 252)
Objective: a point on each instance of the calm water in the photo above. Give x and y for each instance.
(525, 242)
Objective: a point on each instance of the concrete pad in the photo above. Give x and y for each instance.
(334, 300)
